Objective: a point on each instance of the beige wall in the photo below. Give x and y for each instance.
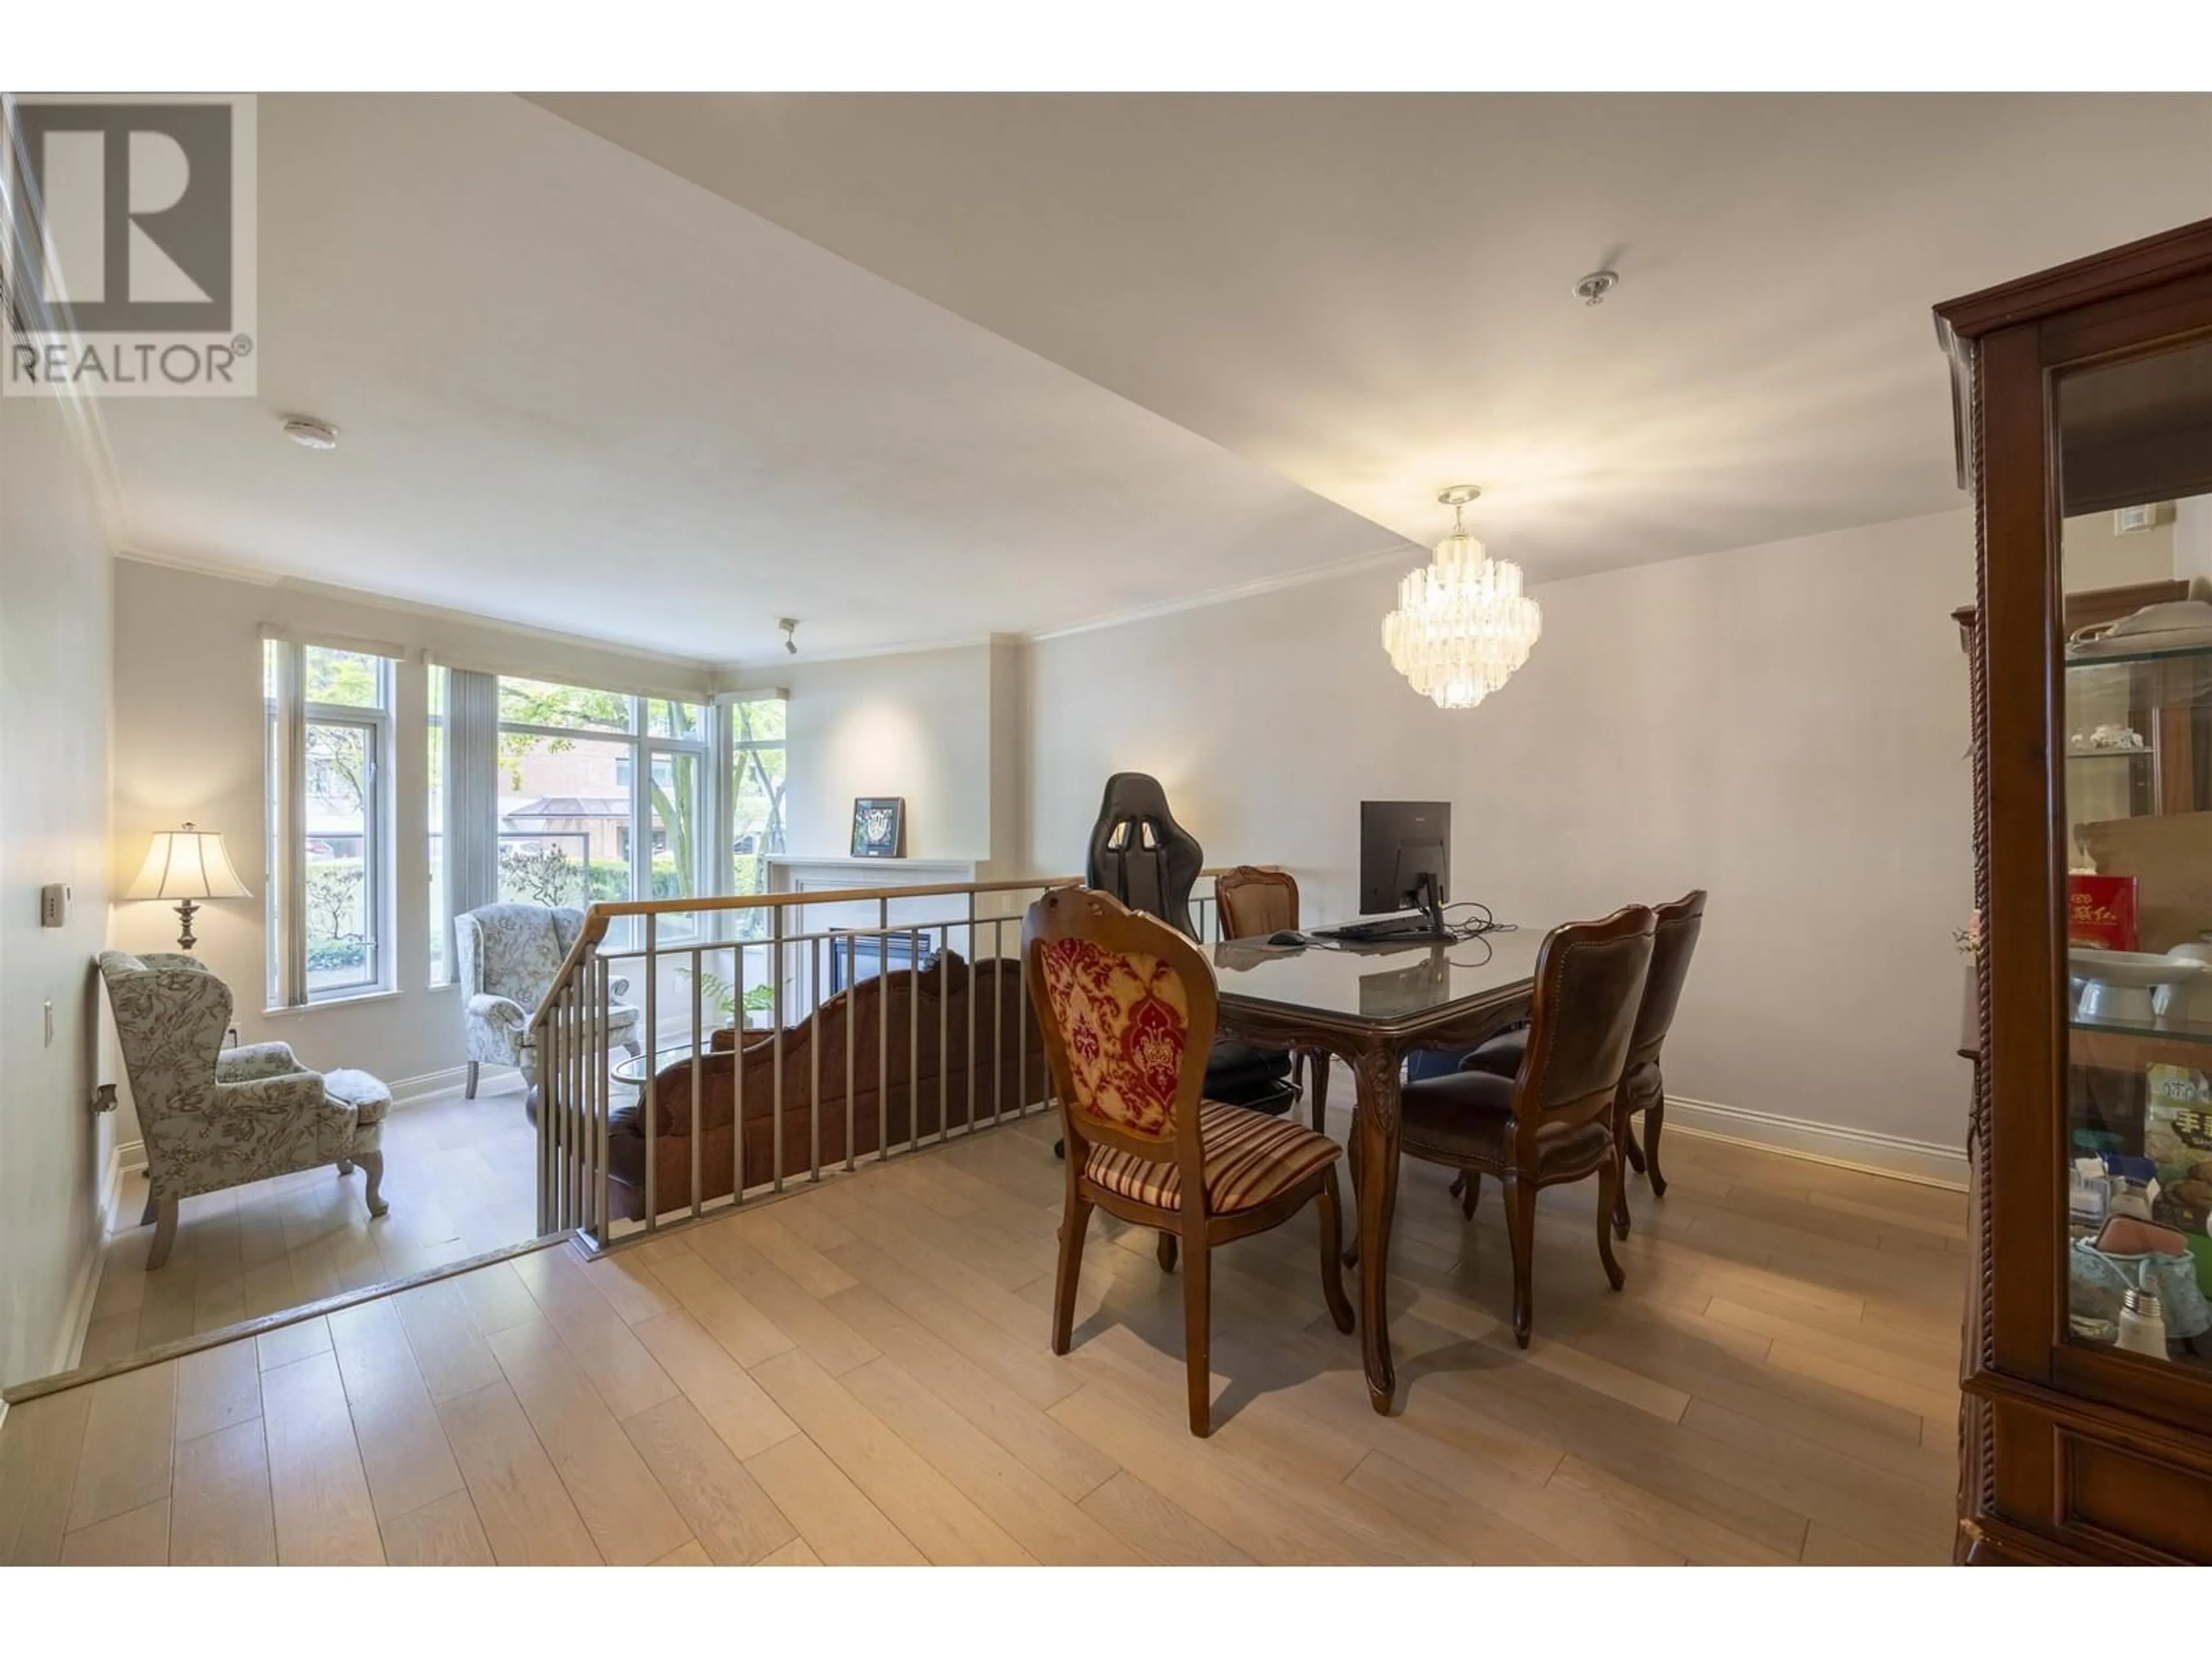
(55, 602)
(1786, 726)
(189, 745)
(917, 724)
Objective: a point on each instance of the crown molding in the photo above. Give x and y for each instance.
(784, 662)
(394, 605)
(1320, 573)
(746, 673)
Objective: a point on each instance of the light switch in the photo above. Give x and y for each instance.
(50, 1025)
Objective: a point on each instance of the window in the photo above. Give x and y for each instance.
(756, 791)
(434, 815)
(330, 724)
(601, 796)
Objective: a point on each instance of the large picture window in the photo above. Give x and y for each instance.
(602, 797)
(330, 722)
(757, 752)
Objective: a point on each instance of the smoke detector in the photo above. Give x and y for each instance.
(311, 435)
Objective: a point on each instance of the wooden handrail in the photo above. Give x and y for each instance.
(598, 916)
(834, 896)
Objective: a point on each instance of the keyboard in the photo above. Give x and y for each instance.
(1415, 927)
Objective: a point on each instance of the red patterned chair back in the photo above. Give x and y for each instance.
(1128, 1007)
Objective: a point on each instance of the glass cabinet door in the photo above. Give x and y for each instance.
(2132, 764)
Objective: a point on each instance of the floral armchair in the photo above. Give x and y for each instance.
(509, 954)
(215, 1118)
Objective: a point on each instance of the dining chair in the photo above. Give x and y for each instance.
(1250, 903)
(1128, 1009)
(1557, 1120)
(1644, 1090)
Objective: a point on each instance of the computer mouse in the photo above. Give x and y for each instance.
(1287, 937)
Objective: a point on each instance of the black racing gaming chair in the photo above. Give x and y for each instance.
(1144, 858)
(1140, 854)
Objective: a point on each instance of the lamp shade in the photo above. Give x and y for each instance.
(187, 864)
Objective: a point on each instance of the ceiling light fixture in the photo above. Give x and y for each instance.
(790, 627)
(311, 435)
(1463, 624)
(1593, 288)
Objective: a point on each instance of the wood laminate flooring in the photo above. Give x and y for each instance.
(860, 1373)
(460, 1176)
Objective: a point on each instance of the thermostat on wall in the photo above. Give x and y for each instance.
(54, 905)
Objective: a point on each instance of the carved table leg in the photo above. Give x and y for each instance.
(1377, 1132)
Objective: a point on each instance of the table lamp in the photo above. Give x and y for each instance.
(188, 865)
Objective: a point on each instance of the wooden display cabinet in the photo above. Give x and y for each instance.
(2079, 392)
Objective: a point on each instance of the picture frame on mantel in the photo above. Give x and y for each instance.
(880, 826)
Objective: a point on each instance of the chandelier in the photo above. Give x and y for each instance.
(1463, 624)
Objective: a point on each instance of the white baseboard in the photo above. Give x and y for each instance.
(130, 1155)
(411, 1090)
(1930, 1163)
(78, 1319)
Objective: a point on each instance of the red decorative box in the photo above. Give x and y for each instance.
(2100, 912)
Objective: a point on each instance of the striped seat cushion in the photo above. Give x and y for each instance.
(1251, 1157)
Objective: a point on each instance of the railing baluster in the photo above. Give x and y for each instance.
(775, 1090)
(650, 1115)
(852, 1033)
(602, 1205)
(913, 1040)
(814, 1034)
(738, 1081)
(971, 1013)
(998, 1013)
(883, 1029)
(943, 1034)
(698, 1069)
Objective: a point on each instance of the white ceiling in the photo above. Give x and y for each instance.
(576, 391)
(1371, 295)
(1096, 355)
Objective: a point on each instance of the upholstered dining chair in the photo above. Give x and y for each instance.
(509, 956)
(1251, 902)
(215, 1118)
(1556, 1121)
(1643, 1090)
(1128, 1008)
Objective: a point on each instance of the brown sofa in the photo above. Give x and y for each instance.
(918, 1006)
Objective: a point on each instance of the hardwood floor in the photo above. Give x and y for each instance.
(860, 1374)
(460, 1178)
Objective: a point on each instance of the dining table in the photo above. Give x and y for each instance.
(1373, 1004)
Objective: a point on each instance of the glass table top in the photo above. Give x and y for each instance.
(633, 1068)
(1382, 984)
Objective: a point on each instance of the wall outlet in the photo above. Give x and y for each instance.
(54, 904)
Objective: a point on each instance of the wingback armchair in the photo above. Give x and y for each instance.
(215, 1118)
(509, 954)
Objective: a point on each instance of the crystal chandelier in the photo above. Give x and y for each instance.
(1463, 624)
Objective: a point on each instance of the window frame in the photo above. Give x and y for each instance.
(733, 752)
(290, 714)
(643, 749)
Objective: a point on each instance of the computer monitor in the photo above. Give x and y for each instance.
(1405, 857)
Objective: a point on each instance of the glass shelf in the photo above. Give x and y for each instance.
(2110, 753)
(2107, 660)
(2158, 1030)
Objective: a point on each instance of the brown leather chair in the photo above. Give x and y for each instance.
(1128, 1008)
(1558, 1119)
(1252, 904)
(1643, 1090)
